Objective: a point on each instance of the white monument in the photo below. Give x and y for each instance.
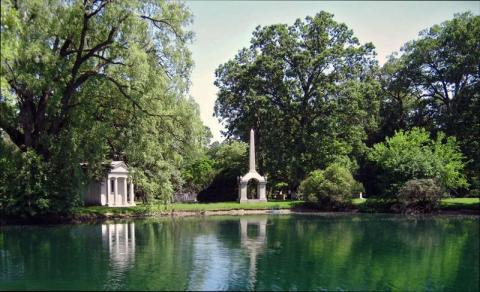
(252, 174)
(115, 190)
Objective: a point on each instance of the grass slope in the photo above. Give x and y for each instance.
(450, 203)
(193, 207)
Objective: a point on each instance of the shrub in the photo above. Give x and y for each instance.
(413, 155)
(419, 195)
(30, 186)
(329, 188)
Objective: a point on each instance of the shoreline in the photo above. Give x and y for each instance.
(96, 217)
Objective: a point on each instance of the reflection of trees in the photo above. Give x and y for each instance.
(249, 252)
(371, 253)
(43, 258)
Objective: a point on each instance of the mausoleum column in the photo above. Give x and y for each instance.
(132, 194)
(242, 188)
(108, 190)
(262, 194)
(115, 191)
(125, 191)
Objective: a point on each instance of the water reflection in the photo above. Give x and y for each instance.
(120, 240)
(351, 252)
(253, 244)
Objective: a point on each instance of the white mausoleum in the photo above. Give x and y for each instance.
(115, 190)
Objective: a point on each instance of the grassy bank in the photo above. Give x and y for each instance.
(139, 210)
(93, 213)
(185, 207)
(461, 203)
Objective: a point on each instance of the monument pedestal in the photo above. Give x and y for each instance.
(252, 174)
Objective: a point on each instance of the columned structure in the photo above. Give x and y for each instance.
(252, 175)
(115, 190)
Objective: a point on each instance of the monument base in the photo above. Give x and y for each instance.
(248, 201)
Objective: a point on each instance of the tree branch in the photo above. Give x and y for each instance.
(156, 23)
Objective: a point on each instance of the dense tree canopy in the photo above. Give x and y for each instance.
(435, 83)
(316, 96)
(308, 91)
(413, 155)
(89, 81)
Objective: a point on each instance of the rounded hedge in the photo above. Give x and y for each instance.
(332, 187)
(419, 196)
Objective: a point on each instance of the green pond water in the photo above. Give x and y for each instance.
(274, 252)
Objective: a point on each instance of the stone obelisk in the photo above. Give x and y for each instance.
(252, 174)
(252, 152)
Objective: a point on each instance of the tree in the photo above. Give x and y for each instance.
(229, 161)
(90, 81)
(413, 155)
(307, 89)
(441, 70)
(199, 174)
(331, 187)
(397, 103)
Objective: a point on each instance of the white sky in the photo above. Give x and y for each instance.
(222, 28)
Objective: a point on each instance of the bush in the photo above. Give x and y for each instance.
(413, 155)
(30, 186)
(330, 188)
(419, 196)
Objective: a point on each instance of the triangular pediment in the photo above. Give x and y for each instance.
(118, 166)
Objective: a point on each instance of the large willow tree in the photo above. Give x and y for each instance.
(89, 81)
(308, 91)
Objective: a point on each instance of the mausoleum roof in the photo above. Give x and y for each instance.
(118, 167)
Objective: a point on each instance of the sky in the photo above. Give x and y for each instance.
(222, 28)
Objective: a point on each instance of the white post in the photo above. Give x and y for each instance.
(252, 151)
(125, 191)
(115, 191)
(132, 194)
(108, 190)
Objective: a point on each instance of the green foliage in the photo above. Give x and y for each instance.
(419, 195)
(330, 187)
(26, 189)
(199, 174)
(230, 161)
(230, 155)
(434, 84)
(413, 155)
(94, 81)
(308, 91)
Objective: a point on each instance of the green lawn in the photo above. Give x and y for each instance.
(358, 201)
(194, 207)
(461, 203)
(450, 203)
